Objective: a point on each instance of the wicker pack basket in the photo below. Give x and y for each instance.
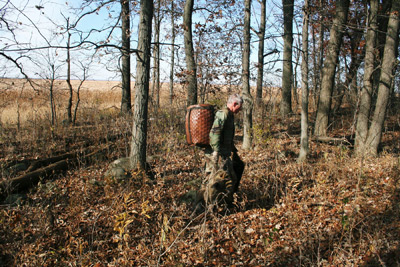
(198, 123)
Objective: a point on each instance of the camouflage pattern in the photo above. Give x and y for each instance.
(222, 132)
(223, 181)
(222, 177)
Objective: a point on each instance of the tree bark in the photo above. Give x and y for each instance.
(139, 129)
(171, 74)
(71, 91)
(319, 55)
(287, 74)
(248, 101)
(126, 105)
(260, 66)
(156, 54)
(366, 92)
(78, 97)
(329, 70)
(189, 54)
(304, 148)
(52, 103)
(355, 35)
(385, 81)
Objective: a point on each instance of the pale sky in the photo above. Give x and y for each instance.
(45, 15)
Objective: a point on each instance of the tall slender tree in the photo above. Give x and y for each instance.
(318, 52)
(329, 70)
(287, 74)
(369, 65)
(156, 54)
(373, 139)
(260, 63)
(126, 105)
(189, 54)
(68, 80)
(171, 73)
(248, 101)
(304, 148)
(139, 128)
(353, 49)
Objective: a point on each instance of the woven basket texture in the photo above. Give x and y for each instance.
(199, 120)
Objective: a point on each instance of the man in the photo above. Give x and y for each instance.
(224, 168)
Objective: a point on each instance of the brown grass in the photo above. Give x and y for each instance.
(20, 103)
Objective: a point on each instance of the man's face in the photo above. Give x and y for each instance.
(236, 107)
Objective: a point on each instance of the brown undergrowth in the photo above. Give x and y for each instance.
(334, 210)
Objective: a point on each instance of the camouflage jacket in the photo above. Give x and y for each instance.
(222, 132)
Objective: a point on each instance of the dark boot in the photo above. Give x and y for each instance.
(238, 168)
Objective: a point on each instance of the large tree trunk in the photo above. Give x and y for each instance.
(287, 74)
(189, 54)
(139, 129)
(304, 87)
(383, 19)
(260, 66)
(171, 74)
(126, 106)
(385, 81)
(248, 101)
(318, 55)
(366, 92)
(328, 72)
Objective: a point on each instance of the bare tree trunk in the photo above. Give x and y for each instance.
(304, 148)
(71, 91)
(78, 100)
(319, 58)
(126, 106)
(385, 81)
(156, 53)
(78, 97)
(295, 86)
(328, 72)
(287, 71)
(260, 67)
(52, 104)
(139, 129)
(316, 66)
(171, 74)
(349, 87)
(248, 101)
(366, 93)
(189, 54)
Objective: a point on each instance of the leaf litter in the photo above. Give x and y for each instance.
(335, 210)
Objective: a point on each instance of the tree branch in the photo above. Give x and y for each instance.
(20, 69)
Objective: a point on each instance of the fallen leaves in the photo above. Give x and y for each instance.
(335, 211)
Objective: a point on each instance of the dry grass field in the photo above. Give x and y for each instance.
(334, 210)
(20, 103)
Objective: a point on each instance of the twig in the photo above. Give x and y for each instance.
(176, 239)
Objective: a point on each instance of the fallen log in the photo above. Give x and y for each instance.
(43, 162)
(331, 140)
(30, 179)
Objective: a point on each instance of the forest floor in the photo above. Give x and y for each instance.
(334, 210)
